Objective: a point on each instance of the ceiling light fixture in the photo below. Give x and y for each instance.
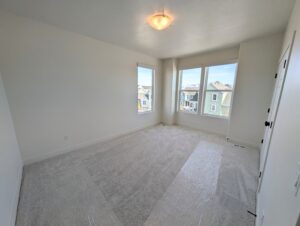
(160, 21)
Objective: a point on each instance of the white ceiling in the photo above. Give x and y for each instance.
(199, 25)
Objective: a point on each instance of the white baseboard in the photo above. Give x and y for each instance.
(37, 158)
(201, 130)
(15, 200)
(241, 143)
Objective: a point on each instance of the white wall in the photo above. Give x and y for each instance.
(10, 164)
(292, 26)
(258, 61)
(209, 58)
(277, 200)
(197, 121)
(67, 90)
(169, 70)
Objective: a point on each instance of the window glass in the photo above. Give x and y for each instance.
(145, 89)
(214, 97)
(189, 90)
(220, 77)
(218, 89)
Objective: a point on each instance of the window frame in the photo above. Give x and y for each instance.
(202, 89)
(215, 105)
(179, 90)
(147, 66)
(214, 94)
(218, 91)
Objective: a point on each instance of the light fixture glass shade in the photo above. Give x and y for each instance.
(160, 21)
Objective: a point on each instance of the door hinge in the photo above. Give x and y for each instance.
(259, 176)
(284, 64)
(262, 141)
(268, 110)
(276, 75)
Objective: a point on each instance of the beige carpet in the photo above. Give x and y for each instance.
(158, 176)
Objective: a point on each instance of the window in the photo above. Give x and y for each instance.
(189, 90)
(218, 88)
(213, 107)
(214, 97)
(145, 89)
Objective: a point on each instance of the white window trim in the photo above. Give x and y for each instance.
(153, 88)
(202, 91)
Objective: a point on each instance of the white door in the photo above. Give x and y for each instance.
(272, 112)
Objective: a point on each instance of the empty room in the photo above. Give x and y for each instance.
(149, 113)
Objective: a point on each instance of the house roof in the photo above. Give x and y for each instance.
(147, 87)
(220, 86)
(144, 87)
(196, 88)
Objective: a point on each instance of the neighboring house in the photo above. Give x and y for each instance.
(189, 99)
(218, 103)
(144, 98)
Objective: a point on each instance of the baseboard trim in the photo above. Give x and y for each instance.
(15, 200)
(248, 145)
(201, 130)
(50, 154)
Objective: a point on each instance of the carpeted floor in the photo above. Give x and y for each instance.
(161, 176)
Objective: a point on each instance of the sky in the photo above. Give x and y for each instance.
(191, 77)
(221, 73)
(145, 76)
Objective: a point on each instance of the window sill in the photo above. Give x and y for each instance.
(144, 112)
(204, 115)
(188, 112)
(215, 116)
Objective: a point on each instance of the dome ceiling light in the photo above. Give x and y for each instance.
(160, 21)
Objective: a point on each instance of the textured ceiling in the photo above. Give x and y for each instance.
(199, 25)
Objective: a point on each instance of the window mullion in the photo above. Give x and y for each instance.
(202, 90)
